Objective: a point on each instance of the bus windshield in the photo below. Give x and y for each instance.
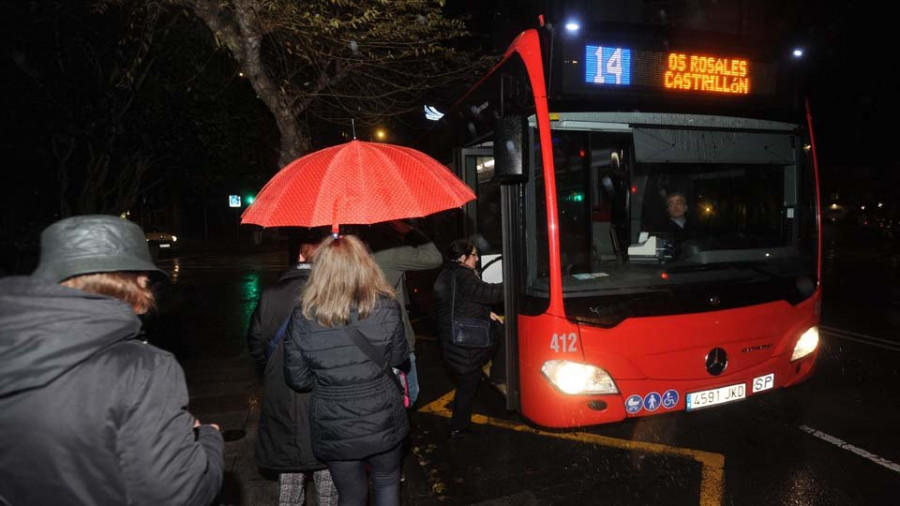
(648, 209)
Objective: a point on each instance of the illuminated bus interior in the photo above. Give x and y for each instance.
(749, 222)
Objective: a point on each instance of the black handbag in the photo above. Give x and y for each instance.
(467, 332)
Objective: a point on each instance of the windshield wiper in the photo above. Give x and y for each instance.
(764, 268)
(758, 267)
(677, 269)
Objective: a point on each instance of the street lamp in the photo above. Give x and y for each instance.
(380, 134)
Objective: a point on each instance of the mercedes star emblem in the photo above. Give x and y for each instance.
(716, 361)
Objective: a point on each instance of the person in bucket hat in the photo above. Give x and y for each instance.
(91, 244)
(92, 414)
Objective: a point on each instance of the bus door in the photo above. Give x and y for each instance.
(486, 222)
(475, 167)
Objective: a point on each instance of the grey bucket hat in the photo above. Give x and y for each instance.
(90, 244)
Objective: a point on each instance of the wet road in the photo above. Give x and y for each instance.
(831, 440)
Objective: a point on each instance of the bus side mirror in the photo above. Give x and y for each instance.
(509, 152)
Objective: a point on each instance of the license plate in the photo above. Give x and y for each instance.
(165, 245)
(715, 396)
(763, 383)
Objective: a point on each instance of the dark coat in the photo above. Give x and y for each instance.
(474, 298)
(88, 413)
(394, 262)
(680, 234)
(356, 410)
(275, 305)
(284, 441)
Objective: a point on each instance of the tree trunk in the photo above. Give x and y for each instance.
(294, 143)
(242, 37)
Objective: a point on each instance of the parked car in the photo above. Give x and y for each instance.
(162, 244)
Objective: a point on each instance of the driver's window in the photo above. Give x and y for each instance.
(609, 196)
(592, 198)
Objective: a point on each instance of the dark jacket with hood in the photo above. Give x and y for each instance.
(474, 299)
(356, 410)
(88, 413)
(284, 442)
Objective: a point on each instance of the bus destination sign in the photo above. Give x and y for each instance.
(607, 66)
(706, 73)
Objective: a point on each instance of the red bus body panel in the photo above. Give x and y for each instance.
(657, 354)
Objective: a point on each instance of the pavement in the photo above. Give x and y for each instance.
(227, 391)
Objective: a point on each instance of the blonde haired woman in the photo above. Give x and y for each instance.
(357, 413)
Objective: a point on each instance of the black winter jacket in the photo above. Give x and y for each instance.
(275, 305)
(356, 410)
(474, 298)
(680, 234)
(284, 441)
(88, 413)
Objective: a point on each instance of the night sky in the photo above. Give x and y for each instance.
(854, 83)
(853, 90)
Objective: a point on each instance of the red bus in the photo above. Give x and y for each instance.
(578, 146)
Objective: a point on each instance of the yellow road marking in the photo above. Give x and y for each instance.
(712, 476)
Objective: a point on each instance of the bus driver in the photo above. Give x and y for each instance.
(680, 225)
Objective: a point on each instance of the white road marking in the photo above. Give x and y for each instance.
(861, 338)
(840, 443)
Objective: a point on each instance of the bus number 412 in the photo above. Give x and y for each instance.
(561, 343)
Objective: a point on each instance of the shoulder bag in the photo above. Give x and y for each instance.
(467, 332)
(278, 335)
(396, 375)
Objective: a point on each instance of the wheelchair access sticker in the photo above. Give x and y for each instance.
(670, 399)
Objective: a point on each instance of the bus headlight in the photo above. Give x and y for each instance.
(807, 344)
(575, 378)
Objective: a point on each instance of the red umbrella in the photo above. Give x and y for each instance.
(356, 183)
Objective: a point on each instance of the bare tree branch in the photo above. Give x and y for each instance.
(369, 58)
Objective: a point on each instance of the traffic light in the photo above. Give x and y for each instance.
(575, 197)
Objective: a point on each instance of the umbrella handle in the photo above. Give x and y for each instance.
(335, 227)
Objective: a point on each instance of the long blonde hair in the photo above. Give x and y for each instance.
(344, 276)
